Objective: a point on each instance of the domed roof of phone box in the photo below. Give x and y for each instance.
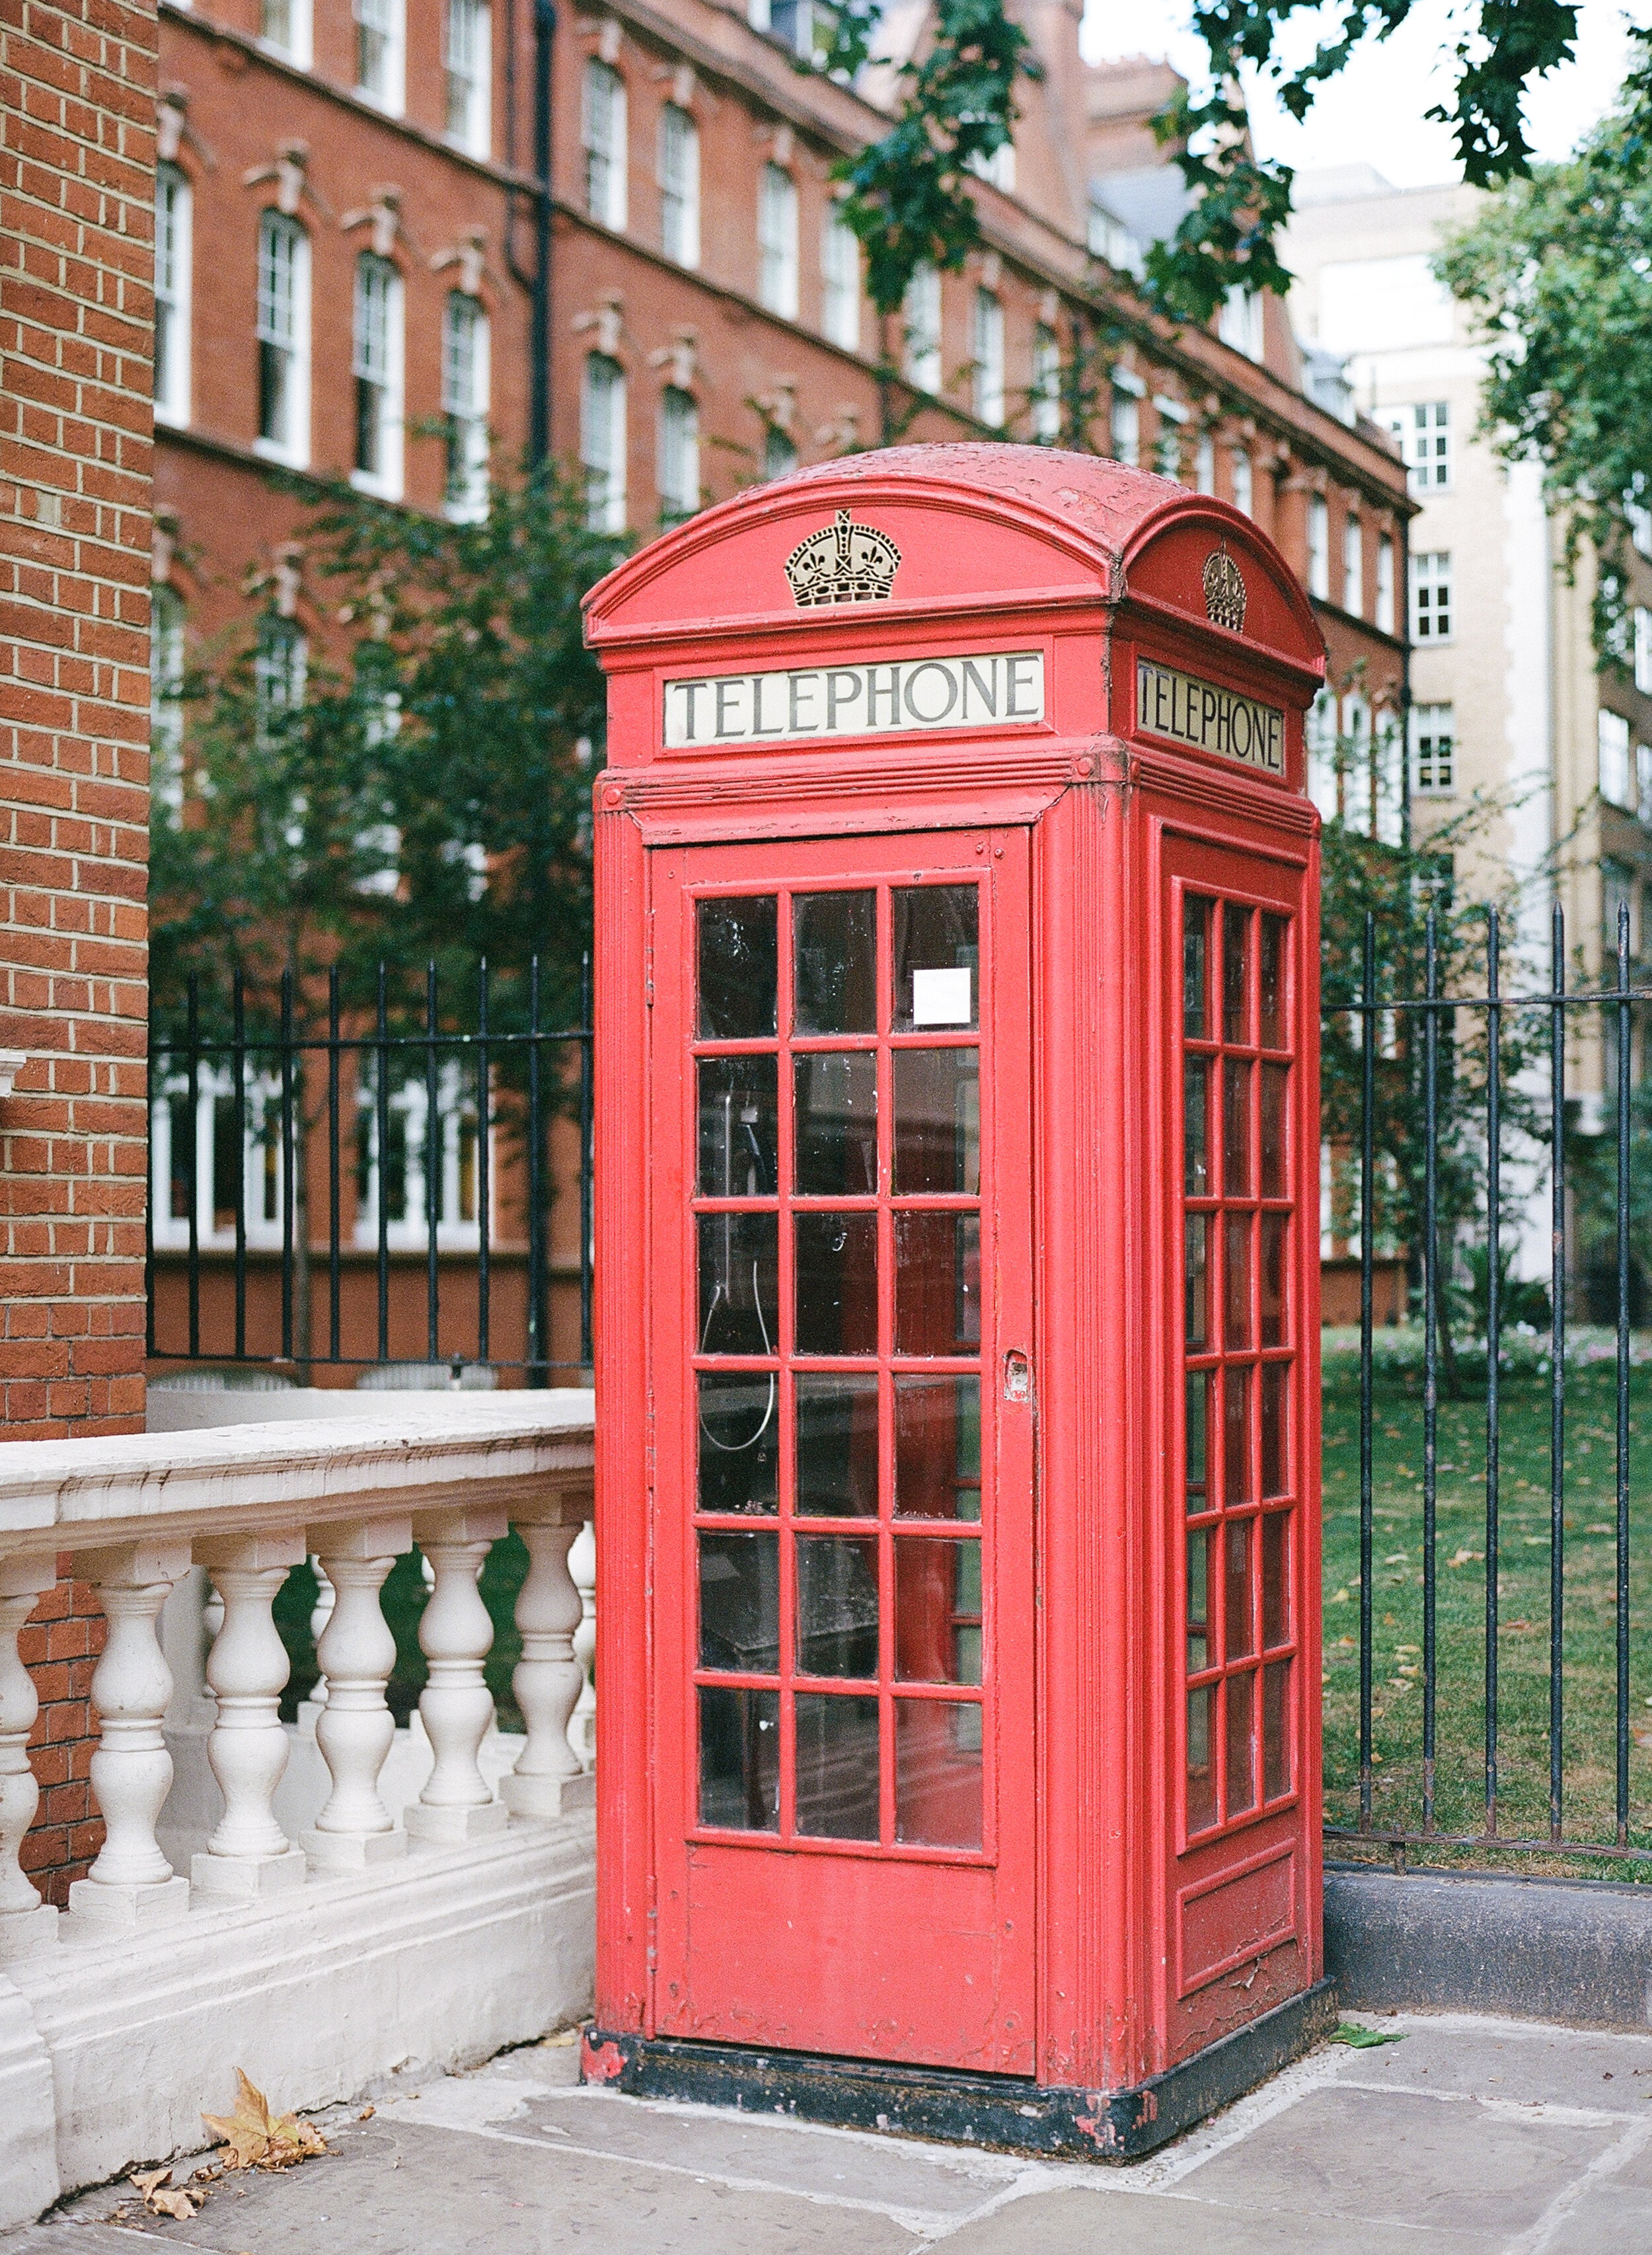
(975, 525)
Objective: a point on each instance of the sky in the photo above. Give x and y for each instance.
(1374, 114)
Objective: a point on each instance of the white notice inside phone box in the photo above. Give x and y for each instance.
(942, 998)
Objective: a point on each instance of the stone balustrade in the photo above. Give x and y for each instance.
(247, 1503)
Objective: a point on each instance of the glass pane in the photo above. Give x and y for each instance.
(1236, 1436)
(938, 1797)
(1241, 1773)
(1276, 1729)
(835, 1124)
(1276, 1587)
(738, 1290)
(938, 1611)
(740, 1758)
(1275, 1033)
(737, 967)
(1236, 1128)
(739, 1440)
(1274, 1465)
(837, 1605)
(837, 1283)
(1198, 1385)
(1198, 1600)
(834, 963)
(737, 1139)
(937, 1122)
(1195, 958)
(1276, 1078)
(1235, 949)
(1271, 1297)
(739, 1603)
(837, 1446)
(1198, 1279)
(1238, 1635)
(1201, 1769)
(1195, 1127)
(1236, 1276)
(837, 1767)
(937, 949)
(937, 1448)
(937, 1284)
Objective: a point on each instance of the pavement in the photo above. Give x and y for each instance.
(1468, 2137)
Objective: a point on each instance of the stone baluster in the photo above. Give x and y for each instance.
(582, 1566)
(548, 1777)
(355, 1728)
(25, 1922)
(454, 1635)
(249, 1854)
(320, 1614)
(131, 1884)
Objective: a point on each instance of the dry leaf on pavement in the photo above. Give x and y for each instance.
(255, 2138)
(161, 2198)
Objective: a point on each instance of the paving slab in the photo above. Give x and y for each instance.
(1390, 2157)
(1118, 2223)
(1515, 2063)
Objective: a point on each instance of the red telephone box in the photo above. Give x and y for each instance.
(958, 1194)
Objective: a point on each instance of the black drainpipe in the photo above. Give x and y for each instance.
(544, 26)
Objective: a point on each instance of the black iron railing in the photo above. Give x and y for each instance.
(1523, 1773)
(424, 1139)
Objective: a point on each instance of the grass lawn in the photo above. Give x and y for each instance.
(1591, 1568)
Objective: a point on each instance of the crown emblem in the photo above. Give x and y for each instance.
(843, 563)
(1224, 591)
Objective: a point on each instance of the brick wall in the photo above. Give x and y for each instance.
(77, 130)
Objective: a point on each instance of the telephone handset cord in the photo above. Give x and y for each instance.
(739, 1448)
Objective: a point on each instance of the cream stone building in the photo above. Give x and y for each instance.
(1507, 699)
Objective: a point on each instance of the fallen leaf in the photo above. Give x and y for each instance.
(254, 2139)
(367, 2113)
(1359, 2039)
(146, 2179)
(161, 2198)
(568, 2036)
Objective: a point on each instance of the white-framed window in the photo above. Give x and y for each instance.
(921, 318)
(678, 455)
(172, 295)
(1612, 742)
(1431, 596)
(193, 1157)
(779, 454)
(998, 170)
(1384, 610)
(602, 130)
(1205, 465)
(400, 1178)
(466, 376)
(283, 331)
(285, 25)
(1167, 447)
(1643, 781)
(839, 280)
(602, 442)
(987, 351)
(1239, 472)
(1639, 514)
(1045, 390)
(777, 241)
(803, 25)
(1240, 322)
(1124, 416)
(1424, 435)
(1433, 751)
(165, 700)
(381, 53)
(1643, 650)
(1109, 238)
(1319, 732)
(1353, 566)
(280, 666)
(375, 364)
(1319, 548)
(678, 185)
(468, 75)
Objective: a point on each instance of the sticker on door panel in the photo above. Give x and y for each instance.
(942, 998)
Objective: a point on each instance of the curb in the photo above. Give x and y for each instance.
(1578, 1951)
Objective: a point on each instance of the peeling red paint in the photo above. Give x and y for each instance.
(1098, 2126)
(600, 2062)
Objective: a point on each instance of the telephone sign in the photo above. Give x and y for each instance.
(958, 1256)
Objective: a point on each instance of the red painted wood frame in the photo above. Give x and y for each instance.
(844, 1424)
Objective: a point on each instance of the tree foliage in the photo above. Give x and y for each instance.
(1558, 272)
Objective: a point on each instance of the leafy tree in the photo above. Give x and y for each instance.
(1558, 271)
